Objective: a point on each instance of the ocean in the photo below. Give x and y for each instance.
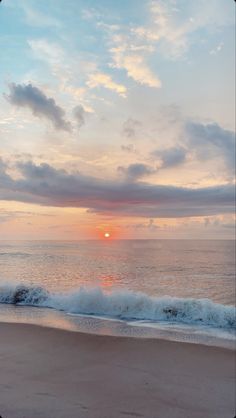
(173, 289)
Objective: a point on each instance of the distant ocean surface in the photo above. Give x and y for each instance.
(174, 289)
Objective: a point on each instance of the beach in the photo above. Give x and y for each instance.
(51, 373)
(117, 209)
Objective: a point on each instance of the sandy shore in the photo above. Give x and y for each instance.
(51, 373)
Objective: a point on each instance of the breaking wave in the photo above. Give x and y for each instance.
(124, 304)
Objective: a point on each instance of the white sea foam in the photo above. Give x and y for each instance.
(124, 304)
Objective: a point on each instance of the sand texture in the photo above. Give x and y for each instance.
(50, 373)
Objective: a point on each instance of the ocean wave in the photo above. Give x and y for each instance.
(14, 254)
(124, 304)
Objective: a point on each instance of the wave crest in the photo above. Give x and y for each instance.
(124, 304)
(24, 295)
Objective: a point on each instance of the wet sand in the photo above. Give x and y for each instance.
(50, 373)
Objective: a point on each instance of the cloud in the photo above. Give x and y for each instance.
(171, 26)
(90, 13)
(130, 55)
(130, 127)
(64, 68)
(170, 30)
(79, 115)
(170, 157)
(217, 49)
(6, 216)
(37, 18)
(216, 222)
(105, 80)
(45, 185)
(26, 95)
(201, 142)
(128, 148)
(51, 53)
(135, 65)
(136, 171)
(164, 32)
(150, 226)
(4, 177)
(210, 141)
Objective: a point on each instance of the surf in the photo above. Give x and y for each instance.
(123, 304)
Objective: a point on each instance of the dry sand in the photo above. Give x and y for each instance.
(52, 373)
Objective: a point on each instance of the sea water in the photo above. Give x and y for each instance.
(174, 289)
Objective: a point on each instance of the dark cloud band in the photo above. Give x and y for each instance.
(45, 185)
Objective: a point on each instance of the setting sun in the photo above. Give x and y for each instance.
(117, 208)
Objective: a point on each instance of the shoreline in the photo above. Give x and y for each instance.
(102, 325)
(48, 372)
(231, 347)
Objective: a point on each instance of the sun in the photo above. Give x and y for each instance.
(107, 235)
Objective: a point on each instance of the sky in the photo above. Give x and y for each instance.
(117, 117)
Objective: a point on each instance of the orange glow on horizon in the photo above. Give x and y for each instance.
(105, 232)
